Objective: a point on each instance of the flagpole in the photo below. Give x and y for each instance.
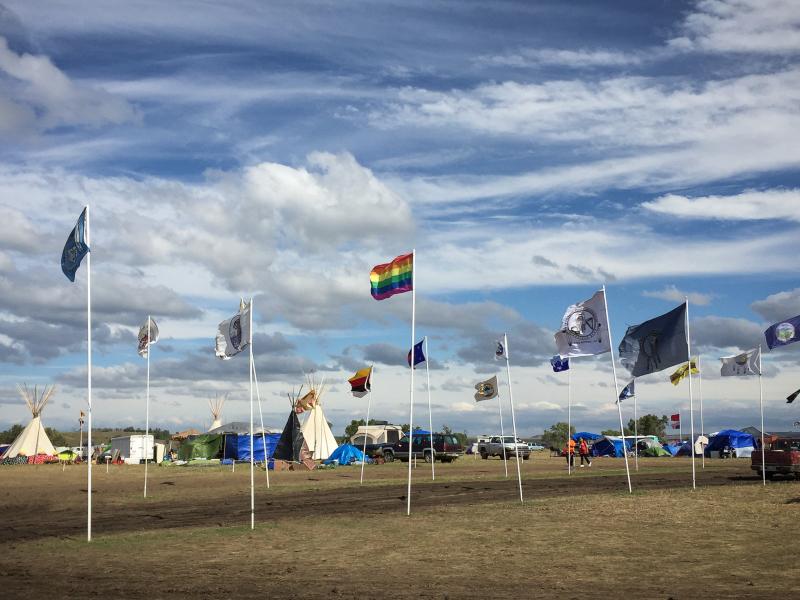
(502, 434)
(430, 413)
(147, 407)
(513, 419)
(616, 391)
(680, 426)
(635, 435)
(569, 415)
(252, 475)
(761, 405)
(700, 392)
(89, 375)
(261, 417)
(369, 405)
(411, 390)
(691, 395)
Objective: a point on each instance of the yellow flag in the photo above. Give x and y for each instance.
(682, 371)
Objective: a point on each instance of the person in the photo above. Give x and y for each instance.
(569, 449)
(583, 450)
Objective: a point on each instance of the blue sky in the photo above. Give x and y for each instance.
(530, 153)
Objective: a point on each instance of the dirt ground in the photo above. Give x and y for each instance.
(320, 534)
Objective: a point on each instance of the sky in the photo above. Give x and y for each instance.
(530, 152)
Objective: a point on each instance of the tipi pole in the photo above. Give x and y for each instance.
(502, 434)
(569, 415)
(635, 435)
(252, 466)
(147, 409)
(369, 405)
(513, 418)
(89, 377)
(702, 425)
(691, 396)
(411, 389)
(616, 392)
(39, 428)
(430, 413)
(761, 406)
(261, 417)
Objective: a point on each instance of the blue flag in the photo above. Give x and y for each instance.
(75, 248)
(419, 357)
(783, 333)
(655, 344)
(559, 364)
(628, 391)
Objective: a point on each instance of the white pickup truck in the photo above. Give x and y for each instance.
(496, 446)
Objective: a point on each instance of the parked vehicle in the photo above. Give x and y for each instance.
(781, 457)
(446, 448)
(497, 446)
(377, 436)
(535, 447)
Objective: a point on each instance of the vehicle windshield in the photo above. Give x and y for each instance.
(508, 439)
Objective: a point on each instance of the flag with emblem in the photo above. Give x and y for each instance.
(783, 333)
(233, 335)
(746, 363)
(681, 372)
(486, 390)
(656, 344)
(75, 248)
(584, 328)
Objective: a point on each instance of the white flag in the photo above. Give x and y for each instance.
(746, 363)
(486, 390)
(584, 328)
(144, 341)
(500, 350)
(233, 335)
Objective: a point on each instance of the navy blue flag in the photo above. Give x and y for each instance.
(559, 364)
(790, 398)
(783, 333)
(655, 344)
(75, 248)
(628, 391)
(419, 357)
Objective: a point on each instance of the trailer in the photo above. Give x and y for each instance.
(134, 448)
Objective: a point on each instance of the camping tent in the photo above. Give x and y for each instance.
(611, 445)
(237, 447)
(671, 448)
(741, 443)
(654, 451)
(345, 455)
(587, 435)
(291, 442)
(205, 445)
(33, 439)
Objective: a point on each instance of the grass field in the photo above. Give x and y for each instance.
(321, 535)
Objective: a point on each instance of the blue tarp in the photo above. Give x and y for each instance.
(610, 447)
(587, 435)
(671, 448)
(732, 438)
(237, 447)
(344, 455)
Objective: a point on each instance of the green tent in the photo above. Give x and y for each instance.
(201, 446)
(655, 451)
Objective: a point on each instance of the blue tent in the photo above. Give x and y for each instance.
(345, 455)
(587, 435)
(611, 447)
(733, 439)
(237, 447)
(671, 448)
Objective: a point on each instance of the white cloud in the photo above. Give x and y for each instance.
(576, 59)
(778, 306)
(673, 294)
(746, 206)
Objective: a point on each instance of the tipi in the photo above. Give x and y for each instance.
(291, 446)
(33, 439)
(316, 431)
(216, 411)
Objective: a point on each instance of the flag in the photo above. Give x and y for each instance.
(306, 402)
(75, 248)
(781, 334)
(392, 278)
(746, 363)
(360, 382)
(80, 418)
(486, 390)
(675, 421)
(790, 398)
(233, 335)
(682, 371)
(419, 356)
(628, 391)
(500, 351)
(655, 344)
(144, 342)
(584, 328)
(559, 364)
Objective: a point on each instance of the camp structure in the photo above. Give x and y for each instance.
(316, 431)
(611, 445)
(346, 454)
(204, 446)
(291, 446)
(33, 440)
(216, 411)
(740, 444)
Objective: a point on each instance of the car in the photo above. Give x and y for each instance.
(535, 447)
(446, 448)
(504, 447)
(781, 457)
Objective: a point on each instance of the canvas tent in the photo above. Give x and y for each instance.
(290, 443)
(316, 431)
(742, 444)
(205, 445)
(33, 440)
(216, 411)
(345, 454)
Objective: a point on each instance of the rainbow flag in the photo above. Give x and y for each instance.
(392, 278)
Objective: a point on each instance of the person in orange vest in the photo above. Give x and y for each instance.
(569, 449)
(583, 450)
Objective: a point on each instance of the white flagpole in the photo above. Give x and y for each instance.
(761, 405)
(261, 416)
(89, 375)
(411, 390)
(513, 419)
(502, 434)
(702, 424)
(616, 391)
(569, 414)
(691, 395)
(635, 434)
(430, 413)
(680, 427)
(252, 476)
(369, 405)
(147, 408)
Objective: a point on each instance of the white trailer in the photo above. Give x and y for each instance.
(134, 448)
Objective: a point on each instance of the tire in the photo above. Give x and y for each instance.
(428, 457)
(388, 456)
(484, 456)
(526, 457)
(770, 475)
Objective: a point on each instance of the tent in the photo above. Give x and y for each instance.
(671, 448)
(587, 435)
(216, 411)
(205, 445)
(741, 443)
(33, 440)
(291, 442)
(316, 431)
(611, 446)
(654, 451)
(345, 455)
(237, 447)
(67, 455)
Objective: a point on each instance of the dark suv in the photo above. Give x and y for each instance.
(446, 448)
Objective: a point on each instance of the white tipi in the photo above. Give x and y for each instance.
(216, 411)
(33, 439)
(316, 431)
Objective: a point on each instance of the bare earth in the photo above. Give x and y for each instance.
(320, 534)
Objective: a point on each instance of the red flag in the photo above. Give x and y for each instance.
(675, 421)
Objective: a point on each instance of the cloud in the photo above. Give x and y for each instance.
(673, 294)
(778, 306)
(725, 332)
(573, 59)
(746, 206)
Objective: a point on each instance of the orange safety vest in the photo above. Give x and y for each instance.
(571, 446)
